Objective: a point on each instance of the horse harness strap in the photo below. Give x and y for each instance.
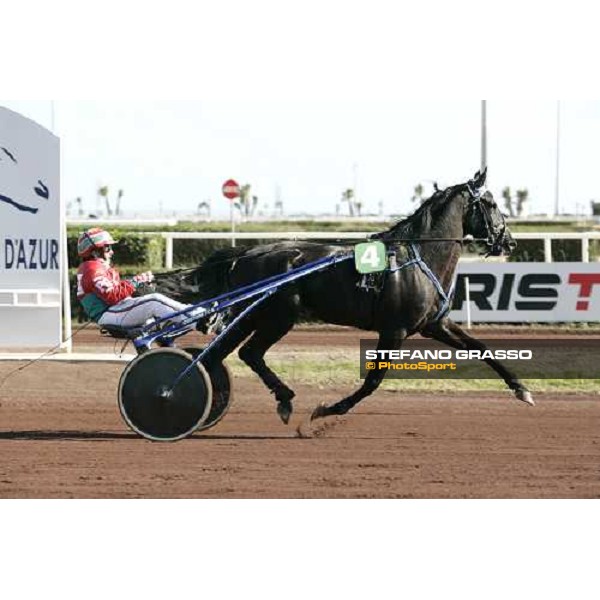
(416, 259)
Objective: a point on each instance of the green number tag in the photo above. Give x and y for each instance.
(370, 257)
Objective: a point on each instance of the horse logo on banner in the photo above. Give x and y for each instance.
(11, 192)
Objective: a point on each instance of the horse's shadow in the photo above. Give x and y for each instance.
(100, 436)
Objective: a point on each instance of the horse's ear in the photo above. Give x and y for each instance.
(479, 179)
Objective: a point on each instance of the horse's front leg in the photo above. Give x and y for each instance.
(451, 333)
(387, 341)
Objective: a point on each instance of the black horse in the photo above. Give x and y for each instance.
(412, 296)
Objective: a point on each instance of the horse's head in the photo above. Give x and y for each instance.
(22, 196)
(484, 221)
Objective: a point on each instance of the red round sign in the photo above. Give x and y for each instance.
(231, 189)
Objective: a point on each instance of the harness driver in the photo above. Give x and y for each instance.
(109, 300)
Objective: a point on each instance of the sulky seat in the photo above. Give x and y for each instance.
(120, 333)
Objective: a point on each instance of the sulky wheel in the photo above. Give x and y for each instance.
(220, 378)
(152, 407)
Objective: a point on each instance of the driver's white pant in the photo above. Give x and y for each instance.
(135, 312)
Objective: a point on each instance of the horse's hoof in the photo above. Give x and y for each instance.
(525, 396)
(284, 410)
(321, 411)
(304, 430)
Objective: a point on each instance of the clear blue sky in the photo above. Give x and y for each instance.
(178, 153)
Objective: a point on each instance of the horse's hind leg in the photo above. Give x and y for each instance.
(279, 318)
(387, 341)
(451, 333)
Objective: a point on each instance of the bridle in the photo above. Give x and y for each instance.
(493, 239)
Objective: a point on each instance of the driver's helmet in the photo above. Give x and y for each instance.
(93, 239)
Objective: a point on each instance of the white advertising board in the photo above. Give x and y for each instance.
(528, 292)
(31, 222)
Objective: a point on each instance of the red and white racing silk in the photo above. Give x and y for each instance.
(98, 278)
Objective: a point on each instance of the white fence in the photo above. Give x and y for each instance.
(547, 238)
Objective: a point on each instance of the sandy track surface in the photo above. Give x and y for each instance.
(61, 436)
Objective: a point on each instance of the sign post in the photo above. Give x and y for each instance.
(231, 191)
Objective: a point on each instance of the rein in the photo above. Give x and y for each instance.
(177, 272)
(465, 240)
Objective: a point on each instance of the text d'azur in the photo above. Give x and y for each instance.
(30, 254)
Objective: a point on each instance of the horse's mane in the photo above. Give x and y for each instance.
(421, 220)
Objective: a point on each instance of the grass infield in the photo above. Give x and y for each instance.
(340, 367)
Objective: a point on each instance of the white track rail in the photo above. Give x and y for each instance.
(547, 238)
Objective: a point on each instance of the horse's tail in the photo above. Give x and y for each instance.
(207, 281)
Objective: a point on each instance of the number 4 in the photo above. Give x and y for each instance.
(370, 257)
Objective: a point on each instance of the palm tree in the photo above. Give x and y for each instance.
(418, 194)
(348, 196)
(103, 193)
(279, 208)
(522, 198)
(508, 203)
(204, 209)
(246, 203)
(278, 202)
(119, 196)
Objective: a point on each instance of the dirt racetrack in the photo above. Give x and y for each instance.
(61, 436)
